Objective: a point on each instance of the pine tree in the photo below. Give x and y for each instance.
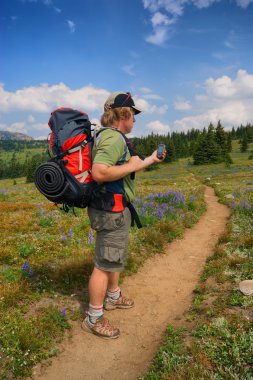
(249, 133)
(221, 139)
(213, 149)
(207, 150)
(229, 142)
(244, 144)
(32, 164)
(233, 134)
(199, 155)
(171, 151)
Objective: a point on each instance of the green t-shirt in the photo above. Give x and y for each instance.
(110, 149)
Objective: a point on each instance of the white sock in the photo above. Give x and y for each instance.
(94, 313)
(113, 294)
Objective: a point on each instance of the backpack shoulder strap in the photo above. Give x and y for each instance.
(127, 141)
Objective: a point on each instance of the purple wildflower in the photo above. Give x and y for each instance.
(25, 267)
(63, 312)
(27, 270)
(90, 237)
(71, 233)
(64, 237)
(233, 205)
(159, 213)
(244, 205)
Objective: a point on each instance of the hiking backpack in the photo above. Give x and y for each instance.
(66, 178)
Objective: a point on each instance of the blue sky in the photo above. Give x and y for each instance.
(186, 62)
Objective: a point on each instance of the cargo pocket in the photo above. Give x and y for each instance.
(101, 220)
(113, 254)
(98, 223)
(115, 220)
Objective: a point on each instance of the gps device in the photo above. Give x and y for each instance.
(160, 150)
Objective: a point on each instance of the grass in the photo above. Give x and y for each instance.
(47, 257)
(217, 339)
(22, 155)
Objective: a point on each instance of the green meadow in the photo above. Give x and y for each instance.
(47, 256)
(215, 339)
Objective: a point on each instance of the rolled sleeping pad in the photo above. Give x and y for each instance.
(50, 180)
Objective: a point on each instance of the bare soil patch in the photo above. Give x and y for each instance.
(162, 290)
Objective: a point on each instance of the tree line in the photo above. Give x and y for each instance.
(212, 145)
(14, 168)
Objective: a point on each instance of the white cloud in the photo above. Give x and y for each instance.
(96, 121)
(203, 3)
(145, 106)
(28, 1)
(218, 55)
(159, 36)
(222, 87)
(17, 127)
(231, 40)
(244, 3)
(145, 90)
(34, 105)
(35, 126)
(174, 7)
(226, 99)
(31, 119)
(152, 97)
(134, 54)
(160, 19)
(228, 44)
(44, 98)
(71, 25)
(181, 104)
(41, 138)
(39, 127)
(158, 127)
(22, 127)
(47, 2)
(231, 114)
(164, 13)
(160, 25)
(129, 69)
(149, 95)
(225, 87)
(3, 127)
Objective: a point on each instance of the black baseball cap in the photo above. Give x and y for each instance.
(121, 99)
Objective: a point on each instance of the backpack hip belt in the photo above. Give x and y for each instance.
(114, 203)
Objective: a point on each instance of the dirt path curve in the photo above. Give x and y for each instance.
(162, 290)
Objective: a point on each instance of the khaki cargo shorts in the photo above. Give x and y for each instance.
(111, 238)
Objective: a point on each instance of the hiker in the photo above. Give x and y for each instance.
(112, 166)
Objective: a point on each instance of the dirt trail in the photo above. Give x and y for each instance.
(162, 290)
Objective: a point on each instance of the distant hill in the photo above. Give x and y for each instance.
(5, 135)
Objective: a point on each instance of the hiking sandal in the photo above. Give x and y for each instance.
(121, 303)
(101, 328)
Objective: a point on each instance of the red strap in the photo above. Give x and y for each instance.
(118, 207)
